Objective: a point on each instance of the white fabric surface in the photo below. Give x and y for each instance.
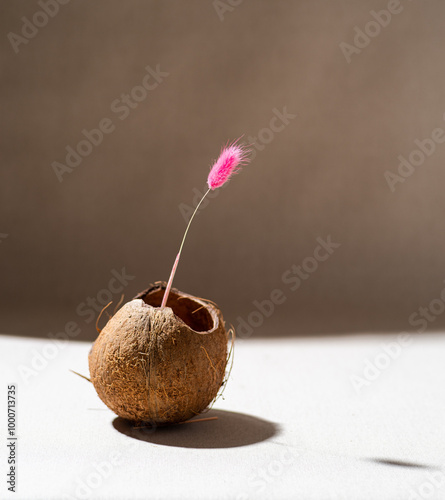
(291, 425)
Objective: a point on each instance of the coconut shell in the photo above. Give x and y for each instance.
(160, 365)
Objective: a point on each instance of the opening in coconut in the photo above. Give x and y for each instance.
(194, 314)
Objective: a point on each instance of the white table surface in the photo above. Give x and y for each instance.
(291, 425)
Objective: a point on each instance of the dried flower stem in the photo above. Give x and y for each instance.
(175, 265)
(231, 157)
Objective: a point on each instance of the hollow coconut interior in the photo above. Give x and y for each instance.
(194, 314)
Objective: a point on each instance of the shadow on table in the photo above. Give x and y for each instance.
(230, 430)
(402, 463)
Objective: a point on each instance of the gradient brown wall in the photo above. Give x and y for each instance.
(323, 174)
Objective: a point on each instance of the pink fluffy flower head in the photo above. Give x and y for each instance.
(232, 157)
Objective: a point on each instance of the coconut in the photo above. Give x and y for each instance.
(160, 365)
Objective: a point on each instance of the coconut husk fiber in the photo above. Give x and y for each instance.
(160, 365)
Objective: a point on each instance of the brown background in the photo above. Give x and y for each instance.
(322, 175)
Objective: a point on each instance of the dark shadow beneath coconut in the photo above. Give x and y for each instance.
(230, 430)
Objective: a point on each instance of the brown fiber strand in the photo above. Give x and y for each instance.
(119, 303)
(80, 375)
(230, 357)
(100, 314)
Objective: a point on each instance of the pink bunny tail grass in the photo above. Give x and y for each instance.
(230, 160)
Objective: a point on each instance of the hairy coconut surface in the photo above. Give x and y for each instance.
(160, 365)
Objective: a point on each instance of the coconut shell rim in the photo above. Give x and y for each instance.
(212, 309)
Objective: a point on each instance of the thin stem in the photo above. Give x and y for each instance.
(175, 265)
